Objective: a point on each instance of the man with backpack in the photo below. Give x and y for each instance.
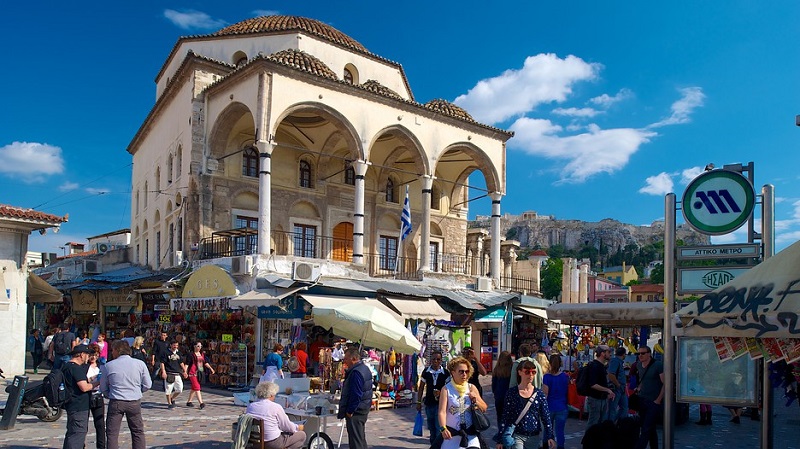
(63, 343)
(79, 393)
(593, 384)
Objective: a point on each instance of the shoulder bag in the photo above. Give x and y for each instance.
(634, 401)
(507, 437)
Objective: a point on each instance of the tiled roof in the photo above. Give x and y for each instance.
(539, 252)
(268, 24)
(447, 108)
(30, 214)
(378, 88)
(302, 61)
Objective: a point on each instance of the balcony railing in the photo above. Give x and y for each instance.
(244, 241)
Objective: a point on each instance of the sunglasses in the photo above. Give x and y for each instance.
(462, 371)
(643, 353)
(529, 370)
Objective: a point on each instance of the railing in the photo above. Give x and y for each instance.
(455, 263)
(313, 247)
(518, 284)
(233, 242)
(383, 266)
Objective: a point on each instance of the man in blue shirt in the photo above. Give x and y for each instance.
(618, 407)
(356, 398)
(123, 381)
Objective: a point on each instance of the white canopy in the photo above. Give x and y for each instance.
(609, 314)
(425, 309)
(262, 297)
(374, 326)
(763, 302)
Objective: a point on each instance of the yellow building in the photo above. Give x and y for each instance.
(621, 274)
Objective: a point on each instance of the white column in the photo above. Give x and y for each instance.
(495, 254)
(360, 167)
(264, 196)
(479, 256)
(427, 185)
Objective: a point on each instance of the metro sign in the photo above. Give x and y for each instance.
(718, 202)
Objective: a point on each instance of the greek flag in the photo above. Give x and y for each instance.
(405, 218)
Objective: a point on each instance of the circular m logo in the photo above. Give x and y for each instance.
(718, 202)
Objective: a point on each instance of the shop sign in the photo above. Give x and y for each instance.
(491, 315)
(165, 318)
(83, 301)
(706, 279)
(204, 304)
(160, 307)
(227, 338)
(154, 297)
(209, 281)
(287, 309)
(509, 322)
(124, 298)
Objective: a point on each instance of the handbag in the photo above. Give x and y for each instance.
(507, 437)
(170, 378)
(418, 424)
(479, 419)
(96, 400)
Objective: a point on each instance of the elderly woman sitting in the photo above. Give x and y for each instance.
(278, 432)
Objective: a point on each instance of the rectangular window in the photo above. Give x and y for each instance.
(158, 249)
(245, 244)
(147, 251)
(387, 252)
(434, 256)
(305, 241)
(137, 254)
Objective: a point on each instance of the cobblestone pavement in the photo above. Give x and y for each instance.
(185, 427)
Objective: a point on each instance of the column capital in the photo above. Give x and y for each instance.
(495, 196)
(360, 167)
(265, 147)
(427, 182)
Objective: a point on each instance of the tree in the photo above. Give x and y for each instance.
(657, 275)
(551, 277)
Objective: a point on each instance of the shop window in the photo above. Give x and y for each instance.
(305, 240)
(250, 162)
(387, 252)
(305, 175)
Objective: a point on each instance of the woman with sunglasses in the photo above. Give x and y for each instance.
(455, 400)
(528, 431)
(196, 361)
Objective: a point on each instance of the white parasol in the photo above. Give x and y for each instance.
(373, 326)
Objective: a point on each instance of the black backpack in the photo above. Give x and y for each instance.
(583, 384)
(55, 388)
(60, 344)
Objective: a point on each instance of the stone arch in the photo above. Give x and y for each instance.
(482, 163)
(409, 142)
(245, 199)
(304, 209)
(332, 115)
(222, 137)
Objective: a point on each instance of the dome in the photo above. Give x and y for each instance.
(380, 89)
(302, 61)
(447, 108)
(272, 24)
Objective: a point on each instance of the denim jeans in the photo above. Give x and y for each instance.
(527, 441)
(559, 423)
(650, 412)
(432, 413)
(598, 411)
(618, 408)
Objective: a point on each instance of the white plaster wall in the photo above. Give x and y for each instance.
(13, 246)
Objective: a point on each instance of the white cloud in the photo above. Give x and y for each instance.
(660, 184)
(191, 19)
(688, 174)
(264, 12)
(691, 98)
(544, 78)
(30, 161)
(589, 153)
(95, 191)
(68, 186)
(576, 112)
(606, 101)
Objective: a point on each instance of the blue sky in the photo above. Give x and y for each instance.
(613, 104)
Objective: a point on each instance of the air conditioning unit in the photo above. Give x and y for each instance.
(304, 271)
(60, 274)
(483, 284)
(241, 265)
(102, 248)
(92, 267)
(178, 257)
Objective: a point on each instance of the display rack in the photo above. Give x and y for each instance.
(237, 374)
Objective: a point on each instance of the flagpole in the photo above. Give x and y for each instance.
(405, 229)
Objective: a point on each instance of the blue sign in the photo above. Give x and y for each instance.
(288, 308)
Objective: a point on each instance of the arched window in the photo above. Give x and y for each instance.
(436, 197)
(170, 167)
(250, 162)
(146, 194)
(349, 175)
(391, 191)
(158, 181)
(179, 162)
(348, 76)
(136, 206)
(305, 175)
